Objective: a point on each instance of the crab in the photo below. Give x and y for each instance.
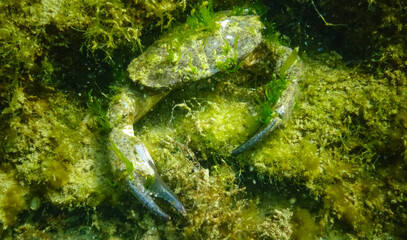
(184, 56)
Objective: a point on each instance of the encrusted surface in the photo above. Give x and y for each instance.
(198, 54)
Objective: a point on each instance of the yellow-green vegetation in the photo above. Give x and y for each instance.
(50, 145)
(207, 122)
(346, 134)
(275, 88)
(95, 106)
(344, 146)
(217, 206)
(220, 125)
(202, 17)
(216, 124)
(304, 225)
(33, 33)
(335, 170)
(13, 196)
(231, 64)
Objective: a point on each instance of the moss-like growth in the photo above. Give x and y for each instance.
(42, 38)
(304, 224)
(345, 145)
(220, 125)
(202, 131)
(231, 64)
(339, 142)
(13, 197)
(202, 17)
(217, 207)
(51, 144)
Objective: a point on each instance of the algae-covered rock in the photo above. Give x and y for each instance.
(51, 145)
(336, 170)
(339, 143)
(13, 197)
(221, 125)
(42, 39)
(338, 146)
(217, 206)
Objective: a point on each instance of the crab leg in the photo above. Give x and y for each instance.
(161, 190)
(147, 201)
(274, 123)
(158, 189)
(283, 108)
(130, 159)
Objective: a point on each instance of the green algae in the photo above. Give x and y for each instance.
(120, 155)
(47, 147)
(337, 142)
(337, 154)
(35, 33)
(202, 17)
(216, 205)
(231, 64)
(12, 198)
(345, 147)
(275, 88)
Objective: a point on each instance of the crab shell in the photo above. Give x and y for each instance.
(196, 54)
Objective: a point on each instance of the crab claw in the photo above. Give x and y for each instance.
(158, 188)
(161, 190)
(134, 163)
(131, 161)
